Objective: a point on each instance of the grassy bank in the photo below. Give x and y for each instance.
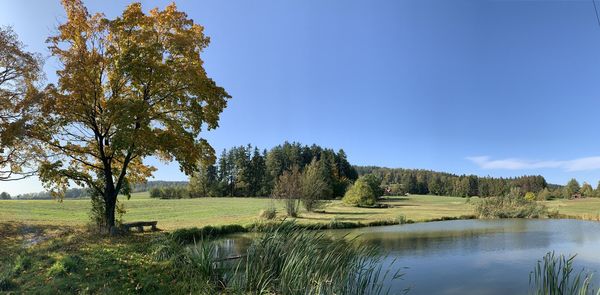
(284, 260)
(174, 214)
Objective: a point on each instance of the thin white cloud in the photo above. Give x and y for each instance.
(580, 164)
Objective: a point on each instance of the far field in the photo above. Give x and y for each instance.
(172, 214)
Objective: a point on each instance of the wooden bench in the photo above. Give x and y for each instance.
(139, 225)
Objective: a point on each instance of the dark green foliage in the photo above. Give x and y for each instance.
(398, 181)
(554, 275)
(204, 182)
(6, 274)
(511, 205)
(375, 183)
(5, 196)
(572, 188)
(245, 171)
(170, 192)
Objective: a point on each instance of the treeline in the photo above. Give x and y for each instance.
(72, 193)
(149, 185)
(246, 171)
(75, 193)
(398, 181)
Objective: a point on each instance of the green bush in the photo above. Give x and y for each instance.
(170, 192)
(360, 194)
(509, 206)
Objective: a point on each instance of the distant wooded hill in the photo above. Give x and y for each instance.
(417, 181)
(75, 193)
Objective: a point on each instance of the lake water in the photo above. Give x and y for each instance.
(476, 256)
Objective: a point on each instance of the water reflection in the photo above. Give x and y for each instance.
(470, 256)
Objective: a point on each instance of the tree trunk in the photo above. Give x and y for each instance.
(110, 201)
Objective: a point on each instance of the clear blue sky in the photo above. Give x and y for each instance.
(499, 88)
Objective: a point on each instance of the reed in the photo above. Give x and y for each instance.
(554, 275)
(292, 260)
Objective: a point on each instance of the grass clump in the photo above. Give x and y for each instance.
(291, 260)
(509, 206)
(64, 266)
(284, 259)
(268, 214)
(22, 263)
(554, 275)
(6, 274)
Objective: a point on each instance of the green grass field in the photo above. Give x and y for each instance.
(172, 214)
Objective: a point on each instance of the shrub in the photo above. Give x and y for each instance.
(544, 194)
(155, 193)
(170, 192)
(529, 196)
(509, 206)
(401, 219)
(360, 194)
(97, 213)
(268, 214)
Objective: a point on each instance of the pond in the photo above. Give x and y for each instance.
(474, 256)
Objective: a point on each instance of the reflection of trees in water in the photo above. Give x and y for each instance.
(470, 240)
(233, 246)
(457, 237)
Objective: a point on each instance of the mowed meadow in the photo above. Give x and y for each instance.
(180, 213)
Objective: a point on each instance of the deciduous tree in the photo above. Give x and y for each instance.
(314, 187)
(128, 88)
(20, 72)
(289, 189)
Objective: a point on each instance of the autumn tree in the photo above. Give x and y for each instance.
(19, 73)
(128, 88)
(314, 186)
(288, 188)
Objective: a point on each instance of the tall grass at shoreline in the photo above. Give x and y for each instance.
(554, 275)
(284, 259)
